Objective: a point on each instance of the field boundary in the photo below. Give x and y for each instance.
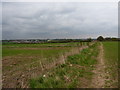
(59, 61)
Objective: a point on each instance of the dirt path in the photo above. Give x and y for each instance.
(98, 80)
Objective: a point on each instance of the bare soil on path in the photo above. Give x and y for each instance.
(99, 79)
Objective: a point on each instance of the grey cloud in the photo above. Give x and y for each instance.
(59, 20)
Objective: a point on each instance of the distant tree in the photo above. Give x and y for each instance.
(114, 39)
(89, 39)
(108, 39)
(100, 38)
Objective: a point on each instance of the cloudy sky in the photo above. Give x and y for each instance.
(44, 20)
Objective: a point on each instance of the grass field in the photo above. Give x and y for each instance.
(77, 69)
(111, 61)
(70, 44)
(57, 65)
(23, 61)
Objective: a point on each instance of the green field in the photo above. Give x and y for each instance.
(70, 44)
(111, 61)
(77, 68)
(56, 65)
(29, 60)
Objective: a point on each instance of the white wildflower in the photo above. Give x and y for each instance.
(44, 75)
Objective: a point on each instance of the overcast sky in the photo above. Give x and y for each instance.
(59, 20)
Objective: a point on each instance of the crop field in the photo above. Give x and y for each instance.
(58, 65)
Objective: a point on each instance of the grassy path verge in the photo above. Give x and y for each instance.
(76, 72)
(99, 77)
(111, 62)
(106, 72)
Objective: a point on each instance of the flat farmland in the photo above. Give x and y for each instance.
(60, 65)
(23, 61)
(75, 72)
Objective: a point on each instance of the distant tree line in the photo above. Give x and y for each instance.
(69, 40)
(64, 40)
(101, 38)
(27, 41)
